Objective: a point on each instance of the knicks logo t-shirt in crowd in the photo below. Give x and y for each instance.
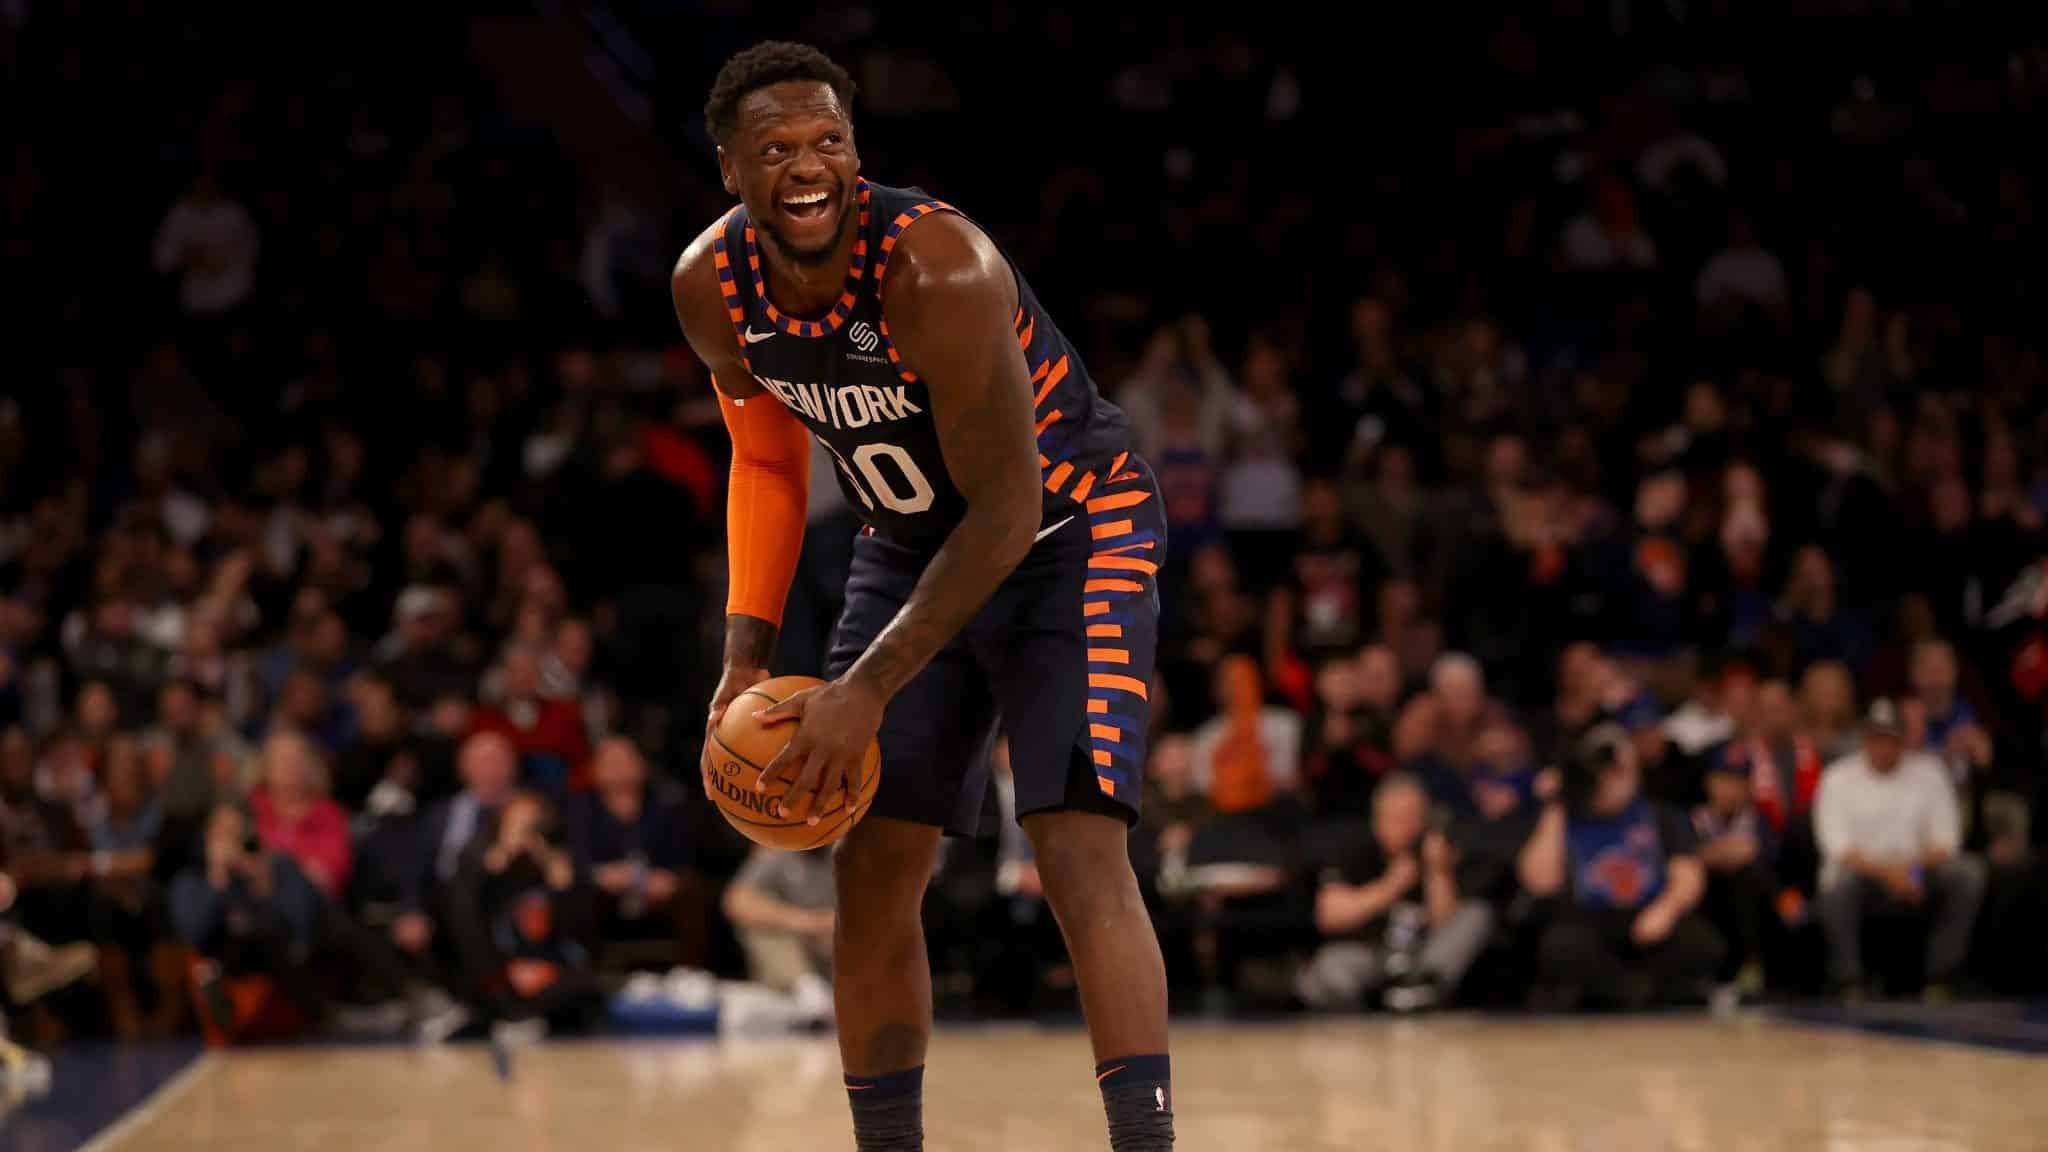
(1618, 862)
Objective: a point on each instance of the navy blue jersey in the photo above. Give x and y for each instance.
(842, 377)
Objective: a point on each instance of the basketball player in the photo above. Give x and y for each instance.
(1006, 567)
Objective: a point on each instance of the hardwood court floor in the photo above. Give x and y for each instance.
(1446, 1085)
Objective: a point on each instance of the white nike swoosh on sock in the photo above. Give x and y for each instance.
(1044, 532)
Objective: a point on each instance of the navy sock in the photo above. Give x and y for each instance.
(888, 1111)
(1137, 1094)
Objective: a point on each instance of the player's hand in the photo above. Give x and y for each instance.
(1652, 925)
(736, 680)
(837, 723)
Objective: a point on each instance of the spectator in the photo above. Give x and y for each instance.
(32, 968)
(1890, 835)
(1389, 912)
(553, 746)
(628, 837)
(447, 834)
(248, 912)
(1350, 736)
(1335, 579)
(1438, 734)
(42, 848)
(1813, 623)
(295, 816)
(520, 927)
(1250, 754)
(780, 904)
(1947, 724)
(1743, 273)
(1629, 876)
(126, 911)
(1827, 707)
(1740, 853)
(210, 242)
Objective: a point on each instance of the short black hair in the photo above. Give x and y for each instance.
(766, 63)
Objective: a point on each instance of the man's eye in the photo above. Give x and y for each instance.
(775, 149)
(834, 138)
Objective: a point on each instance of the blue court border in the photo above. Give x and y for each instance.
(92, 1087)
(2016, 1028)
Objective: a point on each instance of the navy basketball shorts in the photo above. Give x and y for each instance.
(1058, 662)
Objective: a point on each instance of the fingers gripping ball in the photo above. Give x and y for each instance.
(741, 747)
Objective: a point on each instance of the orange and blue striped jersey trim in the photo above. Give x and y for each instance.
(856, 270)
(890, 235)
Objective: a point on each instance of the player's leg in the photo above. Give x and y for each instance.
(934, 735)
(881, 982)
(1071, 677)
(1084, 863)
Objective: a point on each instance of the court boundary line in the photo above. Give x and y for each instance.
(146, 1109)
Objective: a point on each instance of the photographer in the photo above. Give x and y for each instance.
(249, 912)
(1627, 934)
(519, 920)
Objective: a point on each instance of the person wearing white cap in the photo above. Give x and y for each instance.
(1890, 833)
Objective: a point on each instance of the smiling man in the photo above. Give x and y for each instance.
(1007, 567)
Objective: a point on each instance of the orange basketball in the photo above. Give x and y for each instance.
(741, 747)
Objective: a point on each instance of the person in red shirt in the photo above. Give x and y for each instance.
(295, 816)
(554, 749)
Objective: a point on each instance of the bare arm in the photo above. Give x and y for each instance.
(1541, 865)
(1343, 908)
(949, 300)
(1686, 883)
(749, 907)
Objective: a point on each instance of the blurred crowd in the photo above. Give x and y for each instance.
(1607, 562)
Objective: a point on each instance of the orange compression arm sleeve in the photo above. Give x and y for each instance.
(764, 504)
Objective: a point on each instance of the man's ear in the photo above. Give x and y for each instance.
(726, 175)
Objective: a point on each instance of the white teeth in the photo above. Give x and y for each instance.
(803, 198)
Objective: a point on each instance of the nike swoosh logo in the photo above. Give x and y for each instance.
(1044, 532)
(754, 337)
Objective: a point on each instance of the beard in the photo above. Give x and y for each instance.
(799, 255)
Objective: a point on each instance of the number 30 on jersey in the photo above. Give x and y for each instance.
(873, 483)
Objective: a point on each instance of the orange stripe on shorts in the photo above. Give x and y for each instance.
(1108, 656)
(1108, 787)
(1106, 631)
(1106, 732)
(1111, 586)
(1116, 500)
(1122, 564)
(1098, 707)
(1059, 475)
(1113, 528)
(1051, 418)
(1121, 683)
(1095, 608)
(1084, 486)
(1103, 758)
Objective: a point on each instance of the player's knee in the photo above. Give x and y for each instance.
(885, 861)
(1083, 859)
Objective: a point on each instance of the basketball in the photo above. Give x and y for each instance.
(742, 747)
